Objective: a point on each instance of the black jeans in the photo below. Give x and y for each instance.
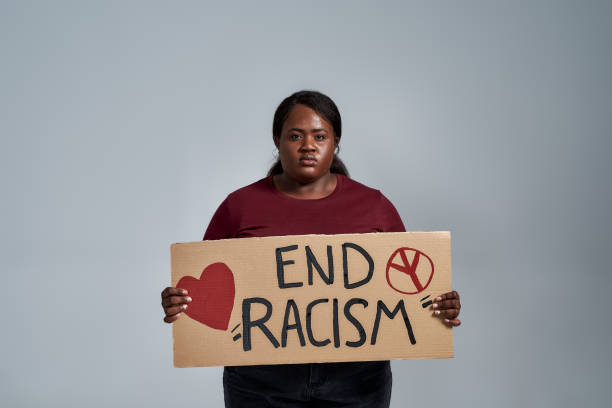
(351, 384)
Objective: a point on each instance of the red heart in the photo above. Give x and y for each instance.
(212, 295)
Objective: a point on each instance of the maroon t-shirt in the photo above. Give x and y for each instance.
(260, 210)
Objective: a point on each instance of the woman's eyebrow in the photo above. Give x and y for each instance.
(302, 130)
(297, 130)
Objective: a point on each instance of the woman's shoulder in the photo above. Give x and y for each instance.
(350, 185)
(258, 188)
(378, 205)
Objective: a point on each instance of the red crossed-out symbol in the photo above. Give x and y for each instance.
(410, 269)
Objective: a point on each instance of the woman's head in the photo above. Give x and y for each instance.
(307, 123)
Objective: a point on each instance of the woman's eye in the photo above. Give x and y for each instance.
(294, 136)
(320, 137)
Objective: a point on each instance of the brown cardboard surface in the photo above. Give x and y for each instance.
(221, 329)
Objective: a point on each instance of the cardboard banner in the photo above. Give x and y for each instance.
(312, 298)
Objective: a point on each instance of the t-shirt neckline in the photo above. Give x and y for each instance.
(271, 185)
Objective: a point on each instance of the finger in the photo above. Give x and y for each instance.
(447, 313)
(175, 300)
(452, 322)
(172, 310)
(448, 295)
(447, 304)
(170, 319)
(170, 291)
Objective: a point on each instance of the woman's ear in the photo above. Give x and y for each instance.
(276, 143)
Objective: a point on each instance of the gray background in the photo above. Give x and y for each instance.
(125, 124)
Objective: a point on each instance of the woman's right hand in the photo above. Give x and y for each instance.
(174, 301)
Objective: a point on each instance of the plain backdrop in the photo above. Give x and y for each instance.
(124, 124)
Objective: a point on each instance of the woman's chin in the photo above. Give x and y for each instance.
(306, 175)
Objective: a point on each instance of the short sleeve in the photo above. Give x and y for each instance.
(223, 224)
(390, 220)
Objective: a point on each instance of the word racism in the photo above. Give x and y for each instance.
(292, 313)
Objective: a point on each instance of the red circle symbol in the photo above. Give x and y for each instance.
(420, 269)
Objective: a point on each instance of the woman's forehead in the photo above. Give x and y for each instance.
(305, 118)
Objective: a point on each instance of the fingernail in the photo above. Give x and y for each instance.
(437, 312)
(446, 320)
(184, 306)
(435, 305)
(188, 299)
(439, 298)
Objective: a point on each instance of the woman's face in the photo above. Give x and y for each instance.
(306, 145)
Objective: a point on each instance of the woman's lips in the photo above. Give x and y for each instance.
(308, 161)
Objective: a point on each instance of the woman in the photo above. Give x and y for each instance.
(307, 191)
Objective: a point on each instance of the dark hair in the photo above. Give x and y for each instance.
(320, 103)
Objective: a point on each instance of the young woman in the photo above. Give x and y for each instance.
(307, 191)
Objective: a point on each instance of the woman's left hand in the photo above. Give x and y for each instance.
(447, 307)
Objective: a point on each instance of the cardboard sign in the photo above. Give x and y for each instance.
(312, 298)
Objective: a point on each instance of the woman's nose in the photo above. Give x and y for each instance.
(308, 143)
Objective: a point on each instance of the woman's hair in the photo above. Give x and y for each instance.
(320, 103)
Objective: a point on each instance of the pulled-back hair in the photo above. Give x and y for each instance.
(320, 103)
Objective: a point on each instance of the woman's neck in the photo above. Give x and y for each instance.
(319, 188)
